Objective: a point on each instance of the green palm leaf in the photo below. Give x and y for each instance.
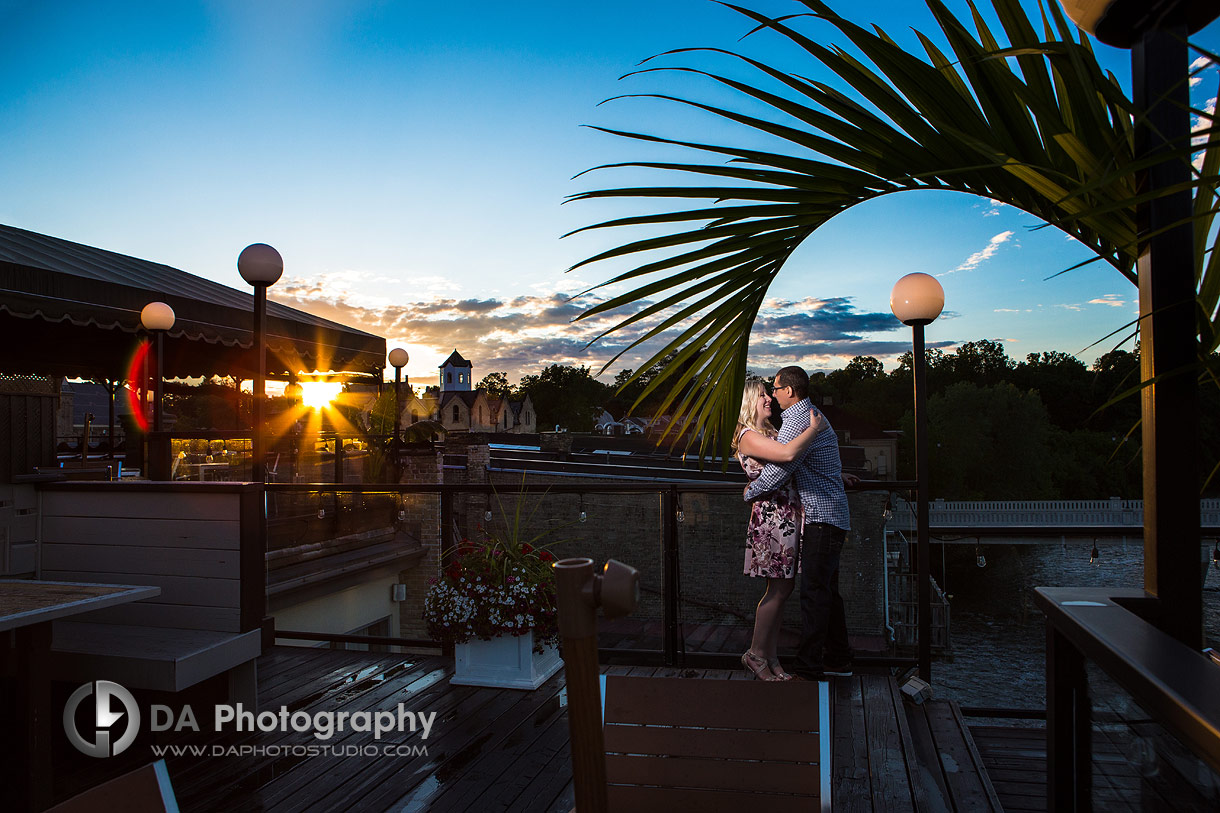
(1034, 123)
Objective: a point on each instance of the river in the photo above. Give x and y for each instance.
(998, 635)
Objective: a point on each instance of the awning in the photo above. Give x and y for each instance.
(74, 310)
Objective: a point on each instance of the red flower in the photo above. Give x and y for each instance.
(527, 547)
(546, 556)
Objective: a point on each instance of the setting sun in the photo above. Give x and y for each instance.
(317, 394)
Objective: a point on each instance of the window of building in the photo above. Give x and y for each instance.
(527, 417)
(457, 415)
(506, 418)
(481, 415)
(461, 378)
(448, 378)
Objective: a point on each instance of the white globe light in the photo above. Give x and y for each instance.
(260, 264)
(917, 299)
(157, 316)
(399, 357)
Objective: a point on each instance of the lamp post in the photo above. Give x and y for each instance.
(1156, 32)
(917, 299)
(399, 359)
(261, 266)
(157, 317)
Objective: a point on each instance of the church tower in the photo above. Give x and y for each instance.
(456, 374)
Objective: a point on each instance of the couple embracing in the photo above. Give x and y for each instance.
(798, 524)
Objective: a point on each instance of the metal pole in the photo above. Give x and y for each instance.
(397, 402)
(574, 585)
(260, 383)
(672, 643)
(922, 553)
(1168, 344)
(158, 385)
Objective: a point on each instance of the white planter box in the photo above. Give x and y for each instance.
(507, 662)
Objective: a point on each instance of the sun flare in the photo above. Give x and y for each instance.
(318, 394)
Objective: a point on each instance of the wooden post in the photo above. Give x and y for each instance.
(574, 583)
(1168, 343)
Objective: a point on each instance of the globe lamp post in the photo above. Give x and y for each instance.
(261, 266)
(158, 317)
(917, 299)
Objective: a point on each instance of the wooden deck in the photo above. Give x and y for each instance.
(507, 750)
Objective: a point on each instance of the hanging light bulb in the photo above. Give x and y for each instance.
(487, 515)
(1094, 554)
(321, 513)
(980, 560)
(583, 516)
(1216, 554)
(401, 515)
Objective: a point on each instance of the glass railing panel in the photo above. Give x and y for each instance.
(718, 600)
(620, 525)
(997, 638)
(1137, 764)
(350, 563)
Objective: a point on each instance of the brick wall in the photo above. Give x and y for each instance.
(422, 520)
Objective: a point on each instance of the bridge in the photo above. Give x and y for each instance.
(1035, 521)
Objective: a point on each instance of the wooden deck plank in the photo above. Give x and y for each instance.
(220, 773)
(963, 767)
(928, 771)
(459, 712)
(269, 780)
(1015, 760)
(849, 749)
(888, 777)
(471, 771)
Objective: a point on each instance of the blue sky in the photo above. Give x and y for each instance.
(410, 160)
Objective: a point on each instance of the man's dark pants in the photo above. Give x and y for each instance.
(823, 623)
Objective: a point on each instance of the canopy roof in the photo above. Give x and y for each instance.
(74, 310)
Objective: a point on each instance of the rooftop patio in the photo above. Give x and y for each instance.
(500, 749)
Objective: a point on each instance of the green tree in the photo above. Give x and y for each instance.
(496, 385)
(1043, 129)
(1063, 382)
(569, 397)
(1010, 425)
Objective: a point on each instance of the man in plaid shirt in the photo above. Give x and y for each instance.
(824, 649)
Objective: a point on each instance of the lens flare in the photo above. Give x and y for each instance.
(318, 394)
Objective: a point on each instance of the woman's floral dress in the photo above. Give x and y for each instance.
(774, 532)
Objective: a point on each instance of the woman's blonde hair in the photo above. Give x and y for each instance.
(747, 418)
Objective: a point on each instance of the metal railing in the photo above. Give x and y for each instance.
(676, 510)
(1172, 686)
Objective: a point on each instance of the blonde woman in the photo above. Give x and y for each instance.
(773, 533)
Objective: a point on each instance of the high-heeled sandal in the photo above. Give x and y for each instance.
(756, 665)
(773, 664)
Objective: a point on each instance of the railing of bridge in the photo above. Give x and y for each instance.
(1115, 513)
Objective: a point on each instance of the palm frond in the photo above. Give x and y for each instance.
(1033, 122)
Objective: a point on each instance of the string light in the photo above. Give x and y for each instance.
(1095, 554)
(979, 558)
(1216, 554)
(487, 515)
(681, 513)
(583, 515)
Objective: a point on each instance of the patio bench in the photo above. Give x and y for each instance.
(200, 544)
(716, 745)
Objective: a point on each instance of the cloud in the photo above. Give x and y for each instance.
(994, 209)
(977, 258)
(1113, 300)
(522, 334)
(1071, 307)
(1013, 310)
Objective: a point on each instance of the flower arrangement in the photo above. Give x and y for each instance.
(503, 585)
